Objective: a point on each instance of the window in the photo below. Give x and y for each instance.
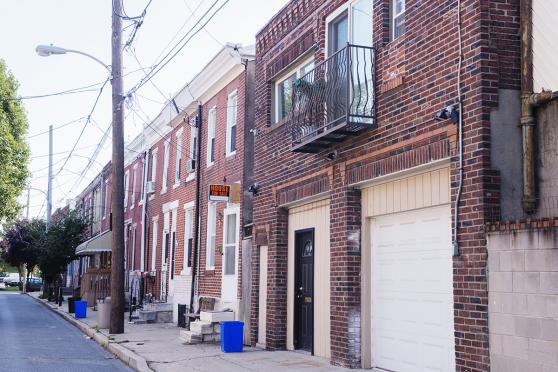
(232, 118)
(134, 183)
(189, 236)
(230, 237)
(193, 142)
(107, 206)
(178, 165)
(165, 166)
(154, 165)
(211, 235)
(350, 23)
(398, 18)
(143, 177)
(154, 243)
(284, 89)
(126, 186)
(211, 122)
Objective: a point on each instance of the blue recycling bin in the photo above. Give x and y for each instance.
(81, 309)
(232, 336)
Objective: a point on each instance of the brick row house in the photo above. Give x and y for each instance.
(161, 172)
(373, 157)
(374, 144)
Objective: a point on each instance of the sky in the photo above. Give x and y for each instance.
(86, 26)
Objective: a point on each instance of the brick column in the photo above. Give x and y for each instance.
(345, 305)
(276, 338)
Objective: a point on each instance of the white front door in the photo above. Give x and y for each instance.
(231, 232)
(412, 291)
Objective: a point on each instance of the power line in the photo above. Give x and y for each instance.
(84, 127)
(55, 128)
(184, 40)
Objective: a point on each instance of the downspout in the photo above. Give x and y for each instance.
(145, 162)
(455, 244)
(197, 230)
(529, 102)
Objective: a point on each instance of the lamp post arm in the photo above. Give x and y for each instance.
(91, 57)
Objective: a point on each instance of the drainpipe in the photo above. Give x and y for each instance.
(529, 102)
(197, 230)
(145, 162)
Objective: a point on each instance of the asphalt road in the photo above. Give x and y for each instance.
(32, 338)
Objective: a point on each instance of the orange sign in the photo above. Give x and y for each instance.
(219, 193)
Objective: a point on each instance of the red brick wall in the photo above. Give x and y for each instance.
(416, 77)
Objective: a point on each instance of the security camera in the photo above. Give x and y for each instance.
(254, 188)
(450, 112)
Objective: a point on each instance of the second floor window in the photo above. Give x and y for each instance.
(398, 18)
(284, 89)
(211, 123)
(178, 166)
(154, 165)
(134, 183)
(166, 166)
(232, 118)
(126, 187)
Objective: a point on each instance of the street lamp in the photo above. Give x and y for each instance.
(49, 50)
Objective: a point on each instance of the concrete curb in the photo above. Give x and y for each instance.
(127, 356)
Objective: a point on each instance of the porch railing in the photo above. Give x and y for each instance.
(338, 94)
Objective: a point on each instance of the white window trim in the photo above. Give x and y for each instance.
(166, 160)
(296, 68)
(188, 234)
(394, 16)
(210, 231)
(228, 141)
(178, 161)
(211, 132)
(107, 208)
(126, 186)
(134, 182)
(155, 227)
(154, 158)
(227, 212)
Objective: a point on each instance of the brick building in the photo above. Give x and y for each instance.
(370, 245)
(218, 98)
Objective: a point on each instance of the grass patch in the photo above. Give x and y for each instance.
(10, 289)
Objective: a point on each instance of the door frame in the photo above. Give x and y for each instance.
(227, 212)
(296, 277)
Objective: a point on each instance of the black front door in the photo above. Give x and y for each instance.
(304, 290)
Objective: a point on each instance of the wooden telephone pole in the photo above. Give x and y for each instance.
(117, 264)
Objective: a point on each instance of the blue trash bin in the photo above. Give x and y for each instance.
(232, 336)
(81, 309)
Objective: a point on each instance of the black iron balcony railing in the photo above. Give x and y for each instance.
(334, 100)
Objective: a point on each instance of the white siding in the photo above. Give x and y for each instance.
(545, 44)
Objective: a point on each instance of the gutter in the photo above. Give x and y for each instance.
(529, 102)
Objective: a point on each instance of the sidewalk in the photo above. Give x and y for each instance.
(157, 347)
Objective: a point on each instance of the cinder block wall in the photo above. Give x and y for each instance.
(523, 300)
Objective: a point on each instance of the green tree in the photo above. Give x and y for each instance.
(58, 247)
(21, 245)
(14, 151)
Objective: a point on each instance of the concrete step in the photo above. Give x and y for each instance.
(216, 316)
(191, 338)
(200, 327)
(212, 337)
(147, 315)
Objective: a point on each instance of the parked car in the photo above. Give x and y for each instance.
(33, 284)
(2, 276)
(12, 279)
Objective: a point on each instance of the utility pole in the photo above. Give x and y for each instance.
(49, 191)
(117, 264)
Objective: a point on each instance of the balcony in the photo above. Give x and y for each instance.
(334, 101)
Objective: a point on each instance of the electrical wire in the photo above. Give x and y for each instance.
(184, 40)
(84, 127)
(55, 128)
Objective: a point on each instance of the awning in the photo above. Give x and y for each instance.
(97, 244)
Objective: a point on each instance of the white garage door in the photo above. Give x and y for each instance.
(412, 295)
